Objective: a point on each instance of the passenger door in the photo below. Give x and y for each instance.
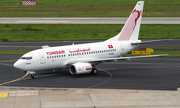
(42, 58)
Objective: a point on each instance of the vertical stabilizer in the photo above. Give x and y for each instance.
(131, 28)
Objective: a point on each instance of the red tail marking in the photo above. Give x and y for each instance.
(139, 13)
(130, 25)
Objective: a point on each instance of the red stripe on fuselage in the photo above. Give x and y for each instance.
(88, 68)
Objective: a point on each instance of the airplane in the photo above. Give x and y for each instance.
(83, 58)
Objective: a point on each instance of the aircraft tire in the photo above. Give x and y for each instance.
(94, 71)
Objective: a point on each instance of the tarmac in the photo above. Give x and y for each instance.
(88, 98)
(149, 76)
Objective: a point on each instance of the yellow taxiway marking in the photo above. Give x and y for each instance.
(3, 94)
(3, 62)
(13, 60)
(23, 78)
(6, 64)
(14, 80)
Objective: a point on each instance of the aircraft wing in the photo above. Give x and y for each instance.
(97, 61)
(123, 58)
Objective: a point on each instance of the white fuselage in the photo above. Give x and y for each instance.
(82, 58)
(58, 57)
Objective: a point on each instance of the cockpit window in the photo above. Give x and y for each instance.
(26, 58)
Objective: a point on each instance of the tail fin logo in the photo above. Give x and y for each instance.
(129, 27)
(139, 13)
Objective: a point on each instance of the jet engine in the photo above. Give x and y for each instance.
(80, 68)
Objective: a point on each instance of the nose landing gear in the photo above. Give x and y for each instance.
(32, 73)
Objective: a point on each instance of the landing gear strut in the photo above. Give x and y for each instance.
(32, 75)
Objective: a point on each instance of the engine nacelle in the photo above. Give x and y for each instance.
(80, 68)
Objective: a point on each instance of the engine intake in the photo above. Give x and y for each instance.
(80, 68)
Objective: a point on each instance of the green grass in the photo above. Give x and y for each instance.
(88, 8)
(56, 32)
(14, 52)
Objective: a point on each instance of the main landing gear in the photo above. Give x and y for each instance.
(94, 71)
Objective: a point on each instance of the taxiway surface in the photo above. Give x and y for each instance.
(160, 73)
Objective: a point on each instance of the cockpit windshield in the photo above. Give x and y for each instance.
(26, 58)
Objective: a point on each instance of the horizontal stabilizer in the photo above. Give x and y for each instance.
(143, 42)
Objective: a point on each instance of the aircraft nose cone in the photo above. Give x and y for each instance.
(18, 65)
